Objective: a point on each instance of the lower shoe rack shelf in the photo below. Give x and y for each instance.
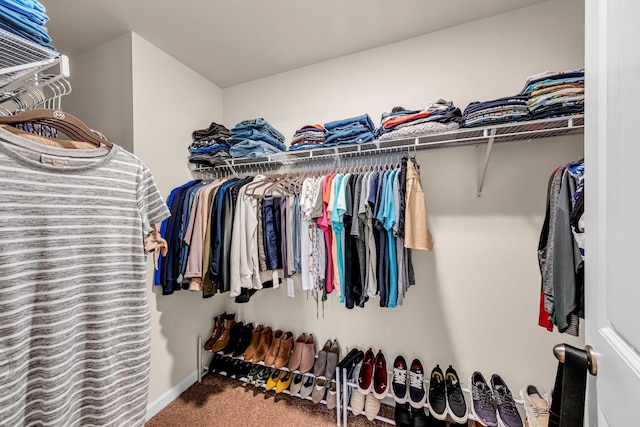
(203, 370)
(348, 386)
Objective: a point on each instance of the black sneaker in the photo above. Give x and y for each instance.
(437, 395)
(456, 405)
(399, 380)
(508, 415)
(417, 393)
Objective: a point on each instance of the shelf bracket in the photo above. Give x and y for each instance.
(487, 156)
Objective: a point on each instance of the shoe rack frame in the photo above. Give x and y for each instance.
(203, 370)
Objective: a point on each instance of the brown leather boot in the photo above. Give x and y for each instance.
(222, 342)
(249, 353)
(217, 331)
(284, 352)
(263, 345)
(270, 358)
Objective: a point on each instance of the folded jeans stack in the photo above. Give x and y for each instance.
(209, 146)
(554, 94)
(255, 138)
(27, 19)
(354, 130)
(439, 116)
(310, 136)
(507, 109)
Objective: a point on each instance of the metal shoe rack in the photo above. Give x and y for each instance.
(203, 370)
(348, 386)
(345, 155)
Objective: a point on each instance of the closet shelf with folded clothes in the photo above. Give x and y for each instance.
(504, 132)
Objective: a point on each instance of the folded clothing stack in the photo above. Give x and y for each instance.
(439, 116)
(508, 109)
(355, 130)
(553, 94)
(209, 146)
(310, 136)
(255, 138)
(27, 19)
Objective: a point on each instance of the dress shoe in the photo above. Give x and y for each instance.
(319, 391)
(308, 355)
(261, 378)
(253, 345)
(234, 337)
(320, 366)
(222, 342)
(275, 376)
(380, 380)
(244, 341)
(272, 353)
(402, 415)
(284, 351)
(296, 384)
(332, 361)
(217, 331)
(296, 355)
(284, 381)
(308, 384)
(263, 345)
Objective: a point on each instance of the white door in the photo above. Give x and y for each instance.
(612, 156)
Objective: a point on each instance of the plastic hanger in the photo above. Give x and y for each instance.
(66, 123)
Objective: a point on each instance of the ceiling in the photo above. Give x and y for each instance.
(234, 41)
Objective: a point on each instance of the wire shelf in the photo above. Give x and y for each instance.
(513, 131)
(19, 57)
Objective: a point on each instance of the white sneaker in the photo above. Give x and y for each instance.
(536, 406)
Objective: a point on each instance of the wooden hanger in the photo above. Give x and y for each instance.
(71, 126)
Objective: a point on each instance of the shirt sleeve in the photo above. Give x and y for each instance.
(153, 209)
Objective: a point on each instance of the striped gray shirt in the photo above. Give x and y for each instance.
(74, 317)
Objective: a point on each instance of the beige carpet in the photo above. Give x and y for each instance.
(223, 402)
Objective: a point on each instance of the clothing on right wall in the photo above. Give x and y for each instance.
(561, 251)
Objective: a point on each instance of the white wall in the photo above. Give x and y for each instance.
(101, 90)
(476, 301)
(169, 102)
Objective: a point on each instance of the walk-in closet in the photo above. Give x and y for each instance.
(352, 214)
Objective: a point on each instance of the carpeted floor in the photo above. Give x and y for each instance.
(224, 402)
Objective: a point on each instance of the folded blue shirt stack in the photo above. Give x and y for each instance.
(355, 130)
(310, 136)
(507, 109)
(27, 19)
(255, 138)
(209, 146)
(553, 94)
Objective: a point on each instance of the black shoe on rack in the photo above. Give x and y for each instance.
(419, 418)
(402, 415)
(437, 395)
(244, 369)
(236, 332)
(456, 405)
(214, 364)
(244, 340)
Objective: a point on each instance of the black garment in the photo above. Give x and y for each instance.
(352, 278)
(170, 268)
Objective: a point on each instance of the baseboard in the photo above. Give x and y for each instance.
(170, 395)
